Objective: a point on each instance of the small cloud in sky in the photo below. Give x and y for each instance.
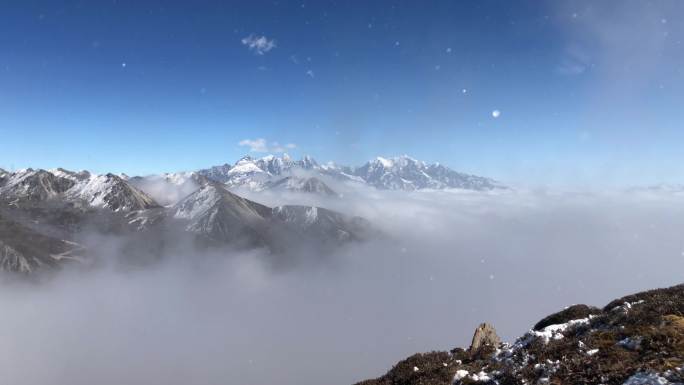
(261, 145)
(259, 44)
(575, 61)
(310, 73)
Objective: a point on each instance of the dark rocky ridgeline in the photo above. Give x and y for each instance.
(634, 340)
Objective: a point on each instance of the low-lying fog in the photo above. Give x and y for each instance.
(451, 261)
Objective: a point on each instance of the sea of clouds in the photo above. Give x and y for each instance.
(447, 261)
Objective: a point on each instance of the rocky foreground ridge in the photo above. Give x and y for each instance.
(634, 340)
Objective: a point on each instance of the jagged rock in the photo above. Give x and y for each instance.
(485, 335)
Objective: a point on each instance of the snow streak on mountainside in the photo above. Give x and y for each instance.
(400, 173)
(24, 250)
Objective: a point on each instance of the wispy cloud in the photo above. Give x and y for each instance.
(259, 44)
(575, 61)
(261, 145)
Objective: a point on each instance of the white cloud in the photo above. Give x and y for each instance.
(259, 44)
(261, 145)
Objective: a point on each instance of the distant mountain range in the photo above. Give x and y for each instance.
(399, 173)
(52, 217)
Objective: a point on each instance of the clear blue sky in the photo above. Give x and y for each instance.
(589, 92)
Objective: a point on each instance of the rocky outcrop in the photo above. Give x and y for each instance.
(485, 337)
(637, 339)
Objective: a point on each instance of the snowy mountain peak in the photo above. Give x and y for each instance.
(112, 192)
(397, 161)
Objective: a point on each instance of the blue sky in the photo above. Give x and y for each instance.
(590, 93)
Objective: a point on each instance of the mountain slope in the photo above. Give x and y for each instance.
(216, 213)
(311, 185)
(634, 340)
(322, 224)
(23, 250)
(112, 192)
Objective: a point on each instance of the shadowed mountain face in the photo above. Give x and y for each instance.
(25, 250)
(637, 339)
(217, 214)
(45, 213)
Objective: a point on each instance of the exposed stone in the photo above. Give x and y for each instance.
(485, 335)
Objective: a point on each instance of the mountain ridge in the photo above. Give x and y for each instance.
(43, 214)
(398, 173)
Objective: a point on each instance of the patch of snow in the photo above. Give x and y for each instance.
(646, 378)
(555, 332)
(630, 343)
(385, 162)
(480, 377)
(460, 374)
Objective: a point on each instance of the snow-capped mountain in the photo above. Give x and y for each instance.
(216, 173)
(34, 185)
(98, 191)
(112, 192)
(406, 173)
(297, 184)
(219, 215)
(43, 213)
(399, 173)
